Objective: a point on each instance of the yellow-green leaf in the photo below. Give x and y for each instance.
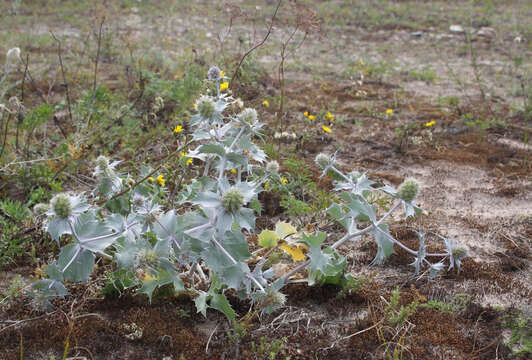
(284, 229)
(268, 239)
(296, 252)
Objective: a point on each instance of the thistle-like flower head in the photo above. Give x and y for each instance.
(460, 252)
(102, 162)
(272, 167)
(147, 258)
(408, 190)
(206, 107)
(233, 200)
(41, 209)
(322, 160)
(61, 205)
(248, 116)
(214, 73)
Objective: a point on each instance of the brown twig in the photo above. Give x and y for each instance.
(65, 84)
(253, 48)
(26, 64)
(97, 57)
(5, 133)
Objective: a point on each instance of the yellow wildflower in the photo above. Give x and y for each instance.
(233, 171)
(224, 86)
(266, 103)
(266, 186)
(222, 73)
(329, 116)
(195, 106)
(284, 180)
(326, 129)
(430, 123)
(178, 129)
(389, 112)
(150, 179)
(311, 117)
(305, 113)
(160, 180)
(189, 161)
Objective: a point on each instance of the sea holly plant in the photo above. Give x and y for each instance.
(203, 247)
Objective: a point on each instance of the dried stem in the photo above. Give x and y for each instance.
(65, 83)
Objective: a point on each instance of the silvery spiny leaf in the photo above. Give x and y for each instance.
(435, 269)
(75, 262)
(359, 185)
(159, 278)
(384, 244)
(43, 291)
(418, 263)
(358, 207)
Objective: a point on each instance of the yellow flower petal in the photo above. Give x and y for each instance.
(189, 161)
(160, 180)
(305, 113)
(233, 171)
(311, 117)
(178, 129)
(284, 180)
(150, 179)
(295, 252)
(266, 103)
(222, 73)
(224, 86)
(430, 123)
(389, 112)
(326, 129)
(329, 116)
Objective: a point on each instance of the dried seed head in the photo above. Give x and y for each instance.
(233, 200)
(459, 252)
(206, 107)
(61, 205)
(322, 160)
(248, 116)
(408, 190)
(41, 208)
(214, 73)
(272, 167)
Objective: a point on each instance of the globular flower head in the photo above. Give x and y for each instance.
(460, 252)
(214, 73)
(408, 190)
(147, 258)
(41, 209)
(206, 107)
(138, 201)
(102, 162)
(322, 160)
(233, 200)
(272, 167)
(248, 116)
(61, 205)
